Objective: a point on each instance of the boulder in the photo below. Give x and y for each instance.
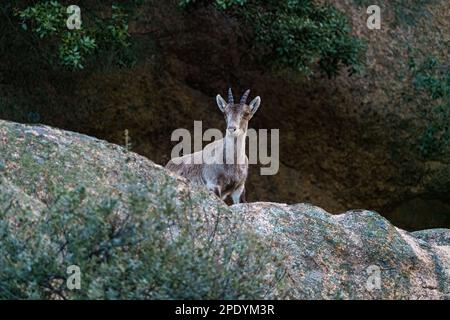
(354, 255)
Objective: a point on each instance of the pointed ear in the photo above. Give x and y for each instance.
(221, 103)
(254, 105)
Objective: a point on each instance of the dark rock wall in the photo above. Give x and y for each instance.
(349, 142)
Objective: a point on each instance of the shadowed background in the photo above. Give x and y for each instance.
(368, 140)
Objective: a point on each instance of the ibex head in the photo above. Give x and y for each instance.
(237, 116)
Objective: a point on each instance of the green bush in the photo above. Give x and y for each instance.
(105, 37)
(295, 34)
(128, 247)
(288, 34)
(431, 79)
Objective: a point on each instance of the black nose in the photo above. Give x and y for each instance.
(232, 129)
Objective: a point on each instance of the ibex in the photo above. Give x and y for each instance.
(222, 166)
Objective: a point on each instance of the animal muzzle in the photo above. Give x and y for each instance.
(232, 129)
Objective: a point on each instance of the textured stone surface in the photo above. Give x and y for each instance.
(334, 256)
(324, 256)
(350, 142)
(439, 237)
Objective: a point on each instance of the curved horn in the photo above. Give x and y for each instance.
(230, 96)
(245, 97)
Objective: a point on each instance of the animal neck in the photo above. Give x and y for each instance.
(234, 148)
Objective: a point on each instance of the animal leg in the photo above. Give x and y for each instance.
(236, 195)
(217, 192)
(243, 199)
(216, 189)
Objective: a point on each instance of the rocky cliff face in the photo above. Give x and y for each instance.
(350, 142)
(341, 256)
(354, 255)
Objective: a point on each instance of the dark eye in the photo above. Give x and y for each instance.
(246, 114)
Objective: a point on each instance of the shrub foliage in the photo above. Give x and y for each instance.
(133, 247)
(431, 78)
(295, 34)
(100, 36)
